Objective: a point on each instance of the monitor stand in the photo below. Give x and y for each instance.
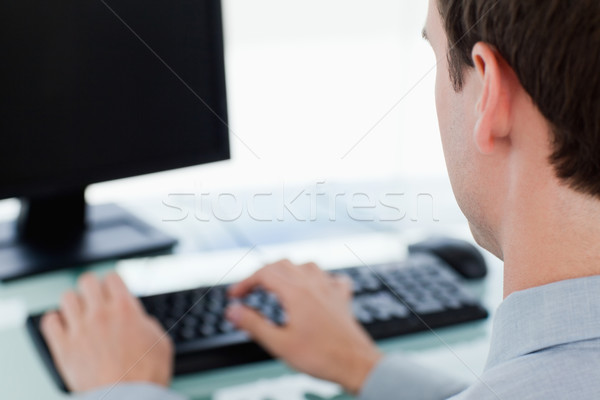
(61, 231)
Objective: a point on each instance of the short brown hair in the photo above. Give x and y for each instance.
(554, 48)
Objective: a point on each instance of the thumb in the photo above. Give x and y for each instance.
(258, 327)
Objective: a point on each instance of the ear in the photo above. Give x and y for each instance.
(493, 106)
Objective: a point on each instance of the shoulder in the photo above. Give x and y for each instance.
(560, 372)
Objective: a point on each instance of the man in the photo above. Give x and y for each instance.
(518, 96)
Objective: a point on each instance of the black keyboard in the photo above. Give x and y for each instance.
(417, 294)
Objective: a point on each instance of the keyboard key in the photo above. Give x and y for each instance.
(253, 300)
(382, 314)
(268, 311)
(210, 319)
(215, 306)
(226, 326)
(190, 320)
(271, 298)
(169, 324)
(187, 333)
(207, 329)
(364, 317)
(428, 307)
(279, 318)
(360, 312)
(197, 310)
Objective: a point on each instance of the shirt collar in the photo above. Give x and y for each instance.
(545, 316)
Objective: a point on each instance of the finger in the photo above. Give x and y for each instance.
(54, 333)
(157, 326)
(71, 309)
(312, 269)
(344, 284)
(269, 278)
(161, 333)
(284, 267)
(258, 327)
(92, 293)
(56, 337)
(117, 291)
(284, 262)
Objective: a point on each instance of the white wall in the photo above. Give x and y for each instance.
(318, 89)
(307, 81)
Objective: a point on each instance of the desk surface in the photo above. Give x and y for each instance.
(461, 350)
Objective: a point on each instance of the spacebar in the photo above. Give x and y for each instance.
(223, 340)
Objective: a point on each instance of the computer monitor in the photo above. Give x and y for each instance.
(96, 90)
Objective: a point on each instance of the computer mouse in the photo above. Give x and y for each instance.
(461, 255)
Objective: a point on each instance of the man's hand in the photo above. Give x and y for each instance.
(102, 336)
(321, 336)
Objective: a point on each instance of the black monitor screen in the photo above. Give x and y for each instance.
(94, 90)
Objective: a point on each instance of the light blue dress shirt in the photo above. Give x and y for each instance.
(545, 345)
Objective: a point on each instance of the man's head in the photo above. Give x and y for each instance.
(518, 100)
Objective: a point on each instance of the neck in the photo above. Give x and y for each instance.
(553, 235)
